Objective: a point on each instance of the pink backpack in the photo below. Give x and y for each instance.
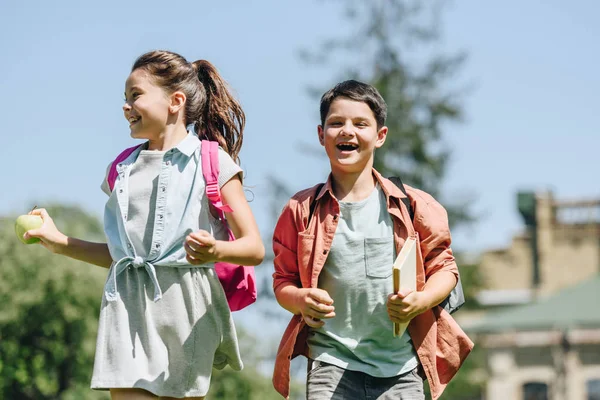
(238, 281)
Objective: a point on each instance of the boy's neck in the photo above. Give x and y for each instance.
(352, 187)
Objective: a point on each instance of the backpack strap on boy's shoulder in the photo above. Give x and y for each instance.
(406, 200)
(456, 298)
(210, 171)
(112, 172)
(313, 203)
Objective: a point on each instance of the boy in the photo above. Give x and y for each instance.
(334, 247)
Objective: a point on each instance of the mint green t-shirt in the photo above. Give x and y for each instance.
(358, 276)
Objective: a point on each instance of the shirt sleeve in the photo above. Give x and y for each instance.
(431, 222)
(227, 168)
(285, 242)
(104, 186)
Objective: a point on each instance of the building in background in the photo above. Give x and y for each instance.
(540, 328)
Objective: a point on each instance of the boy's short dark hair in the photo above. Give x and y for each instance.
(357, 91)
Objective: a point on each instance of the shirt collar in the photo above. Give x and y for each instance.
(189, 144)
(389, 188)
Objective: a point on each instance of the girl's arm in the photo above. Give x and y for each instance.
(58, 243)
(247, 249)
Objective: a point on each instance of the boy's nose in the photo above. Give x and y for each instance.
(347, 130)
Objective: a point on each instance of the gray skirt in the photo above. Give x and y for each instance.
(170, 346)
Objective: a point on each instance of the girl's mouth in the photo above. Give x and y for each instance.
(133, 120)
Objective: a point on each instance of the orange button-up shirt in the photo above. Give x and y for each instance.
(300, 253)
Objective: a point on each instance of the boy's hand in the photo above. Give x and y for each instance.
(405, 305)
(314, 305)
(200, 247)
(51, 238)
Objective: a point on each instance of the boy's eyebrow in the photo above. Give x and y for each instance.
(358, 117)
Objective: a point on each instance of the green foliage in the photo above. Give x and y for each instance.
(48, 323)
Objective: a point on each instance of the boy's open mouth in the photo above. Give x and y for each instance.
(347, 146)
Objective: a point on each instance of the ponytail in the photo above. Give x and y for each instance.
(222, 118)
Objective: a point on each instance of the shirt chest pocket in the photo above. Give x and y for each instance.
(379, 257)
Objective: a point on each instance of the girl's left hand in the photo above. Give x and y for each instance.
(201, 247)
(405, 305)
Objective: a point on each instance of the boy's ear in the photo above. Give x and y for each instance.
(177, 102)
(321, 135)
(381, 135)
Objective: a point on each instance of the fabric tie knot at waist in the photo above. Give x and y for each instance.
(110, 290)
(138, 262)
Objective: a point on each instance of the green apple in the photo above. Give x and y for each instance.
(26, 223)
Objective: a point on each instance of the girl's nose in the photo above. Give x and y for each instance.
(126, 107)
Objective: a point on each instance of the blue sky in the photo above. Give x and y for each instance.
(531, 119)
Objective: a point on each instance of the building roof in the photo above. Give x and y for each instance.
(574, 307)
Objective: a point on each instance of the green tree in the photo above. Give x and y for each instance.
(394, 45)
(49, 319)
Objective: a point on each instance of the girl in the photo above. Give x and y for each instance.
(164, 320)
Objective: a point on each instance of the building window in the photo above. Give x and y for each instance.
(535, 391)
(593, 389)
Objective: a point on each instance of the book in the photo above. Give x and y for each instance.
(404, 273)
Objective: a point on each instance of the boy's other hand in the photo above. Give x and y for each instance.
(405, 305)
(314, 305)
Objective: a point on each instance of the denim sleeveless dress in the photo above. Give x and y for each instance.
(164, 324)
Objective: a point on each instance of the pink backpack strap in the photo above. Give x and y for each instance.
(210, 170)
(112, 172)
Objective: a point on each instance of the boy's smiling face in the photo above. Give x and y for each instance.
(350, 135)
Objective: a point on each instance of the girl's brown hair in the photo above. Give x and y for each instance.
(210, 106)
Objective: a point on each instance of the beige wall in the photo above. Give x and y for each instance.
(509, 268)
(511, 368)
(568, 253)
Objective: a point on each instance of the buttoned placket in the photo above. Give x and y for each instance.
(131, 259)
(161, 205)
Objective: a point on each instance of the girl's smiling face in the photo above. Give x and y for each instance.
(146, 106)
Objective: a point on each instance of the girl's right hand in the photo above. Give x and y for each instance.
(51, 238)
(314, 305)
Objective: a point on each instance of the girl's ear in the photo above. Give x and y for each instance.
(177, 102)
